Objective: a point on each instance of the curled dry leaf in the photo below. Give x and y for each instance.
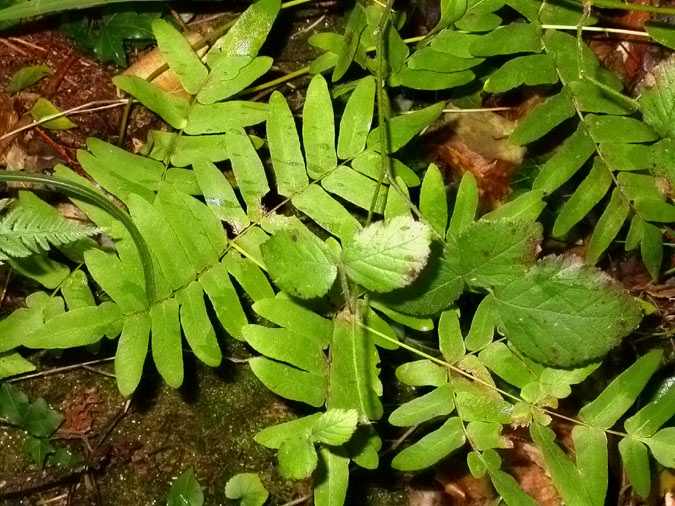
(463, 489)
(80, 411)
(478, 143)
(152, 62)
(526, 464)
(8, 118)
(631, 57)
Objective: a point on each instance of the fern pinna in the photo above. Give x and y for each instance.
(622, 145)
(294, 259)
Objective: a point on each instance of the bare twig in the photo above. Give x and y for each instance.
(56, 147)
(111, 426)
(477, 110)
(89, 107)
(621, 31)
(13, 47)
(99, 371)
(26, 43)
(5, 285)
(309, 28)
(401, 439)
(299, 500)
(57, 370)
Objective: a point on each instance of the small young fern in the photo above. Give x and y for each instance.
(27, 230)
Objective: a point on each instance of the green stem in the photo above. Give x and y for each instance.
(382, 106)
(86, 194)
(280, 80)
(600, 29)
(305, 70)
(480, 381)
(294, 3)
(615, 4)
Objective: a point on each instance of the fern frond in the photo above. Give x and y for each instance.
(26, 230)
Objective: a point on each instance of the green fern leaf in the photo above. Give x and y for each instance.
(248, 34)
(432, 447)
(180, 56)
(563, 472)
(591, 190)
(608, 226)
(619, 396)
(635, 458)
(528, 70)
(655, 413)
(353, 372)
(171, 108)
(284, 145)
(224, 116)
(356, 119)
(544, 118)
(332, 478)
(509, 39)
(421, 409)
(318, 129)
(29, 228)
(132, 350)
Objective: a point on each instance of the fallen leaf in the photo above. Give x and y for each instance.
(478, 143)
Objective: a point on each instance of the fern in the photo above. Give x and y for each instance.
(30, 227)
(619, 149)
(192, 256)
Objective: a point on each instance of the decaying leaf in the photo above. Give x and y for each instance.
(478, 143)
(153, 61)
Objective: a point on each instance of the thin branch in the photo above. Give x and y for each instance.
(480, 381)
(621, 31)
(89, 107)
(476, 110)
(382, 108)
(57, 370)
(615, 4)
(299, 500)
(401, 439)
(280, 80)
(99, 371)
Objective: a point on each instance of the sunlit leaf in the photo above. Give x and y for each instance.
(247, 488)
(387, 255)
(432, 447)
(335, 427)
(318, 129)
(299, 263)
(185, 491)
(297, 458)
(356, 119)
(180, 56)
(619, 396)
(332, 478)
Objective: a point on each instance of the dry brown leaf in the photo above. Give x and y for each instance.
(152, 62)
(478, 143)
(462, 489)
